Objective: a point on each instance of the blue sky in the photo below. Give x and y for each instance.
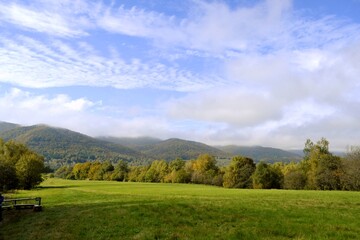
(245, 72)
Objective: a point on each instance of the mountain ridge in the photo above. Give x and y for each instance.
(173, 148)
(66, 146)
(132, 142)
(260, 153)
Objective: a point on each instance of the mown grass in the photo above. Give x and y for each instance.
(113, 210)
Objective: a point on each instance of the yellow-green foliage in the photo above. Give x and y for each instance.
(19, 166)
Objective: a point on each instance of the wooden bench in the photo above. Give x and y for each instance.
(22, 203)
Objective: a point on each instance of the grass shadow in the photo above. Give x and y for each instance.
(55, 187)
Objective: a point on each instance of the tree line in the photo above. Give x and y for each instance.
(319, 170)
(20, 168)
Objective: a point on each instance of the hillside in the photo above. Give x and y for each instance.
(61, 146)
(5, 126)
(259, 153)
(131, 142)
(176, 148)
(65, 146)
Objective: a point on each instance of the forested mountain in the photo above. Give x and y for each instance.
(132, 142)
(62, 145)
(177, 148)
(259, 153)
(5, 126)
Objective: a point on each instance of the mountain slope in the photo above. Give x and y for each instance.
(259, 153)
(5, 126)
(176, 148)
(131, 142)
(68, 146)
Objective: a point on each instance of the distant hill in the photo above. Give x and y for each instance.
(5, 126)
(299, 152)
(177, 148)
(60, 146)
(65, 146)
(258, 153)
(131, 142)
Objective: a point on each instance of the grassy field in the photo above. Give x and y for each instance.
(113, 210)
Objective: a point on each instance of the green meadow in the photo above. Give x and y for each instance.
(123, 210)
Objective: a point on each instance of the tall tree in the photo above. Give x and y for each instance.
(204, 170)
(238, 174)
(19, 166)
(266, 176)
(350, 180)
(29, 169)
(120, 172)
(322, 168)
(8, 178)
(177, 174)
(157, 171)
(294, 176)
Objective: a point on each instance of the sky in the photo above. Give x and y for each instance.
(242, 72)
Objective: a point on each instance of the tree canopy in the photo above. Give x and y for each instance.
(19, 166)
(319, 170)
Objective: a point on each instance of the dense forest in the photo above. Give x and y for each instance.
(62, 146)
(318, 170)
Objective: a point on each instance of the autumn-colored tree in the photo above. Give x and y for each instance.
(238, 173)
(81, 170)
(177, 174)
(323, 169)
(157, 171)
(204, 170)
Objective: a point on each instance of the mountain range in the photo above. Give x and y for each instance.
(62, 146)
(173, 148)
(259, 153)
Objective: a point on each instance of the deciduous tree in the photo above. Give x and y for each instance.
(238, 173)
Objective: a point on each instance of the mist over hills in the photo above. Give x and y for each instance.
(62, 146)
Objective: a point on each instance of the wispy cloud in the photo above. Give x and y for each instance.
(43, 21)
(249, 72)
(30, 63)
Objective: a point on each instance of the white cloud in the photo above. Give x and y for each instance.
(281, 99)
(278, 74)
(234, 106)
(31, 63)
(31, 109)
(81, 114)
(133, 21)
(58, 104)
(40, 21)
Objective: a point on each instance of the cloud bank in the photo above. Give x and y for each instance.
(261, 73)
